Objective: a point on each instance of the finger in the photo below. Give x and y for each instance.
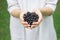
(26, 26)
(24, 23)
(29, 27)
(33, 26)
(37, 23)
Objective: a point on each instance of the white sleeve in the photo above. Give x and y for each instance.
(51, 4)
(12, 4)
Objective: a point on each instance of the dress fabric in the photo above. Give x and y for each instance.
(45, 31)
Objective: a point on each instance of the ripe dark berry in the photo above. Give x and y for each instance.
(31, 17)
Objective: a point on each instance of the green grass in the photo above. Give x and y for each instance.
(57, 20)
(4, 21)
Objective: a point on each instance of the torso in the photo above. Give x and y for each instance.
(31, 4)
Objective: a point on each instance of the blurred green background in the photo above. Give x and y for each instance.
(5, 18)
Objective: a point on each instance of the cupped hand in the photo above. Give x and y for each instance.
(35, 24)
(25, 24)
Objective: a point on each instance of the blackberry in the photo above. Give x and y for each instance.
(31, 17)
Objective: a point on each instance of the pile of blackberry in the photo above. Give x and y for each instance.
(30, 17)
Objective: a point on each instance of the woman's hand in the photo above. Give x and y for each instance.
(35, 24)
(25, 24)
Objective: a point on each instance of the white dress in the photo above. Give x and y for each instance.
(45, 31)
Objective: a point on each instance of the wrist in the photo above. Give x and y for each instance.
(16, 13)
(46, 11)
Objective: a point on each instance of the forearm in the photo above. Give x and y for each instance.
(46, 11)
(16, 13)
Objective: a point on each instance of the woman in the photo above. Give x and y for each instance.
(41, 30)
